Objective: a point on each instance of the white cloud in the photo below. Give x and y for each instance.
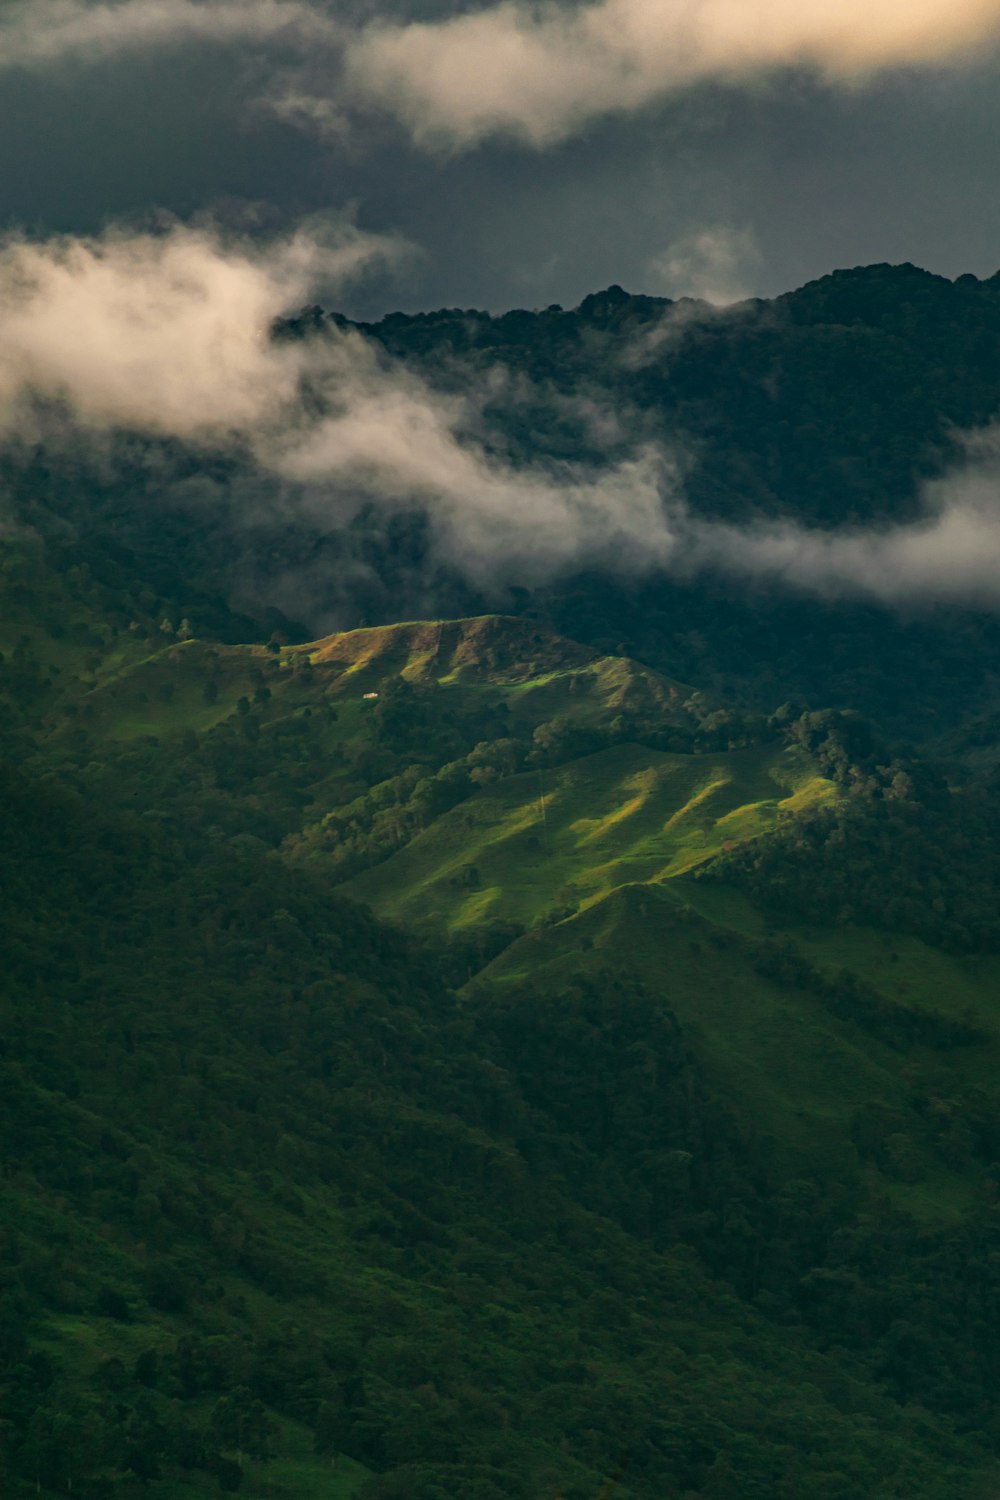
(169, 335)
(950, 555)
(161, 332)
(541, 72)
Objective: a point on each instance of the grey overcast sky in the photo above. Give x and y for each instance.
(713, 147)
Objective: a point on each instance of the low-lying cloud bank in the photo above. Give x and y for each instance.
(542, 72)
(951, 556)
(170, 334)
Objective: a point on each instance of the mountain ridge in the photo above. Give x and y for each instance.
(643, 1129)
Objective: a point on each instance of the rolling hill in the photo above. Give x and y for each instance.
(539, 844)
(512, 1055)
(516, 798)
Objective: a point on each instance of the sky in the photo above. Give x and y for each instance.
(521, 155)
(180, 173)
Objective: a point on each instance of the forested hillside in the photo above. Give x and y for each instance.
(538, 1052)
(829, 407)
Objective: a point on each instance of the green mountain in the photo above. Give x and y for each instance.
(460, 1059)
(829, 406)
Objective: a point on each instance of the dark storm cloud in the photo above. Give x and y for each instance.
(727, 181)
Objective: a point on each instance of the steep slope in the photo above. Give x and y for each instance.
(679, 1188)
(272, 1198)
(423, 761)
(804, 1030)
(479, 780)
(544, 842)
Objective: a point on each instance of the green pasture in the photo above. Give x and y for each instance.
(796, 1071)
(552, 839)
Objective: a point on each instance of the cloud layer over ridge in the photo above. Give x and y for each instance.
(171, 337)
(169, 334)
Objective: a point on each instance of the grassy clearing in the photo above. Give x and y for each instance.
(965, 988)
(595, 858)
(300, 1475)
(771, 1047)
(798, 1074)
(546, 840)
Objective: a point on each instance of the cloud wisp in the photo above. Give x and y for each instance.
(542, 72)
(35, 33)
(714, 264)
(951, 555)
(392, 440)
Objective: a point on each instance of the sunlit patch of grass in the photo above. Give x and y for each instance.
(547, 838)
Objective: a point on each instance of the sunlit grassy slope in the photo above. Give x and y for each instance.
(159, 685)
(562, 838)
(565, 829)
(593, 858)
(553, 838)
